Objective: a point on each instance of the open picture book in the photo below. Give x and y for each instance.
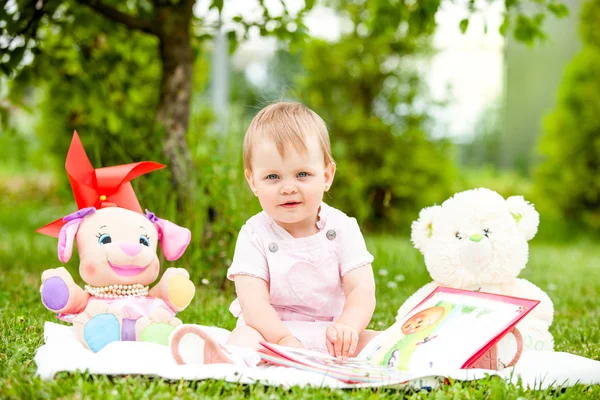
(448, 330)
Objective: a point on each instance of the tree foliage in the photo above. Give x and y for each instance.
(104, 85)
(120, 72)
(113, 71)
(569, 175)
(484, 149)
(368, 88)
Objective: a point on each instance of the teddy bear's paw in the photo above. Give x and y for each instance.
(55, 288)
(536, 335)
(536, 340)
(157, 327)
(98, 325)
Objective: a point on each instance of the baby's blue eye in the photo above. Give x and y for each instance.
(302, 174)
(272, 176)
(144, 240)
(104, 239)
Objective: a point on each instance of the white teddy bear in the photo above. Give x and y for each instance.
(476, 240)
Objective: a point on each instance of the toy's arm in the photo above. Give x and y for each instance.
(415, 299)
(60, 293)
(174, 288)
(525, 289)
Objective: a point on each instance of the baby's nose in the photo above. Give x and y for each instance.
(131, 249)
(287, 189)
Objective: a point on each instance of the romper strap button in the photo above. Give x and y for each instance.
(273, 247)
(331, 234)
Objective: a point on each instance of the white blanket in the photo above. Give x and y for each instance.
(63, 352)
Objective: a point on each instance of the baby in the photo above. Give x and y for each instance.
(302, 271)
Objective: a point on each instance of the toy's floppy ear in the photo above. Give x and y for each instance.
(173, 238)
(422, 229)
(68, 231)
(525, 214)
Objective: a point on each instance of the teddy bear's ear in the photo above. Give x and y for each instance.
(525, 214)
(422, 229)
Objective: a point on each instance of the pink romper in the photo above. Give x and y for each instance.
(304, 274)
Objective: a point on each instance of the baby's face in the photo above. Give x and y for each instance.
(290, 188)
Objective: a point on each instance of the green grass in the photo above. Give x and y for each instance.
(570, 273)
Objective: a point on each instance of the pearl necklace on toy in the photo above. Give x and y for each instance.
(117, 291)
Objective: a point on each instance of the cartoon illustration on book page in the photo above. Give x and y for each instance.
(424, 336)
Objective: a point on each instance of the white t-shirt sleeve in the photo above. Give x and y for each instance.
(353, 249)
(248, 258)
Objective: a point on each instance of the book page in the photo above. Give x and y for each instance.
(448, 330)
(445, 330)
(352, 370)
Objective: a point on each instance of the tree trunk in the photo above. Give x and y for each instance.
(175, 93)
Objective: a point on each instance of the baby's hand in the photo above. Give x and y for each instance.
(341, 340)
(290, 341)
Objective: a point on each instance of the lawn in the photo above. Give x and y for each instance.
(570, 273)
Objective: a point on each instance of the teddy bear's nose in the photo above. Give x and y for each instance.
(131, 249)
(476, 237)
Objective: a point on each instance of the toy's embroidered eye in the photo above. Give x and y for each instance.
(104, 239)
(457, 235)
(145, 240)
(487, 232)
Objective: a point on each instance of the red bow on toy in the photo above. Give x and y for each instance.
(102, 187)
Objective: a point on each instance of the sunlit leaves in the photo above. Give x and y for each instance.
(526, 18)
(590, 21)
(218, 4)
(366, 89)
(571, 141)
(464, 24)
(558, 9)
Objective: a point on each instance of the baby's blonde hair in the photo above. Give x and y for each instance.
(286, 123)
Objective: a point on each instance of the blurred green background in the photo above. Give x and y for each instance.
(422, 99)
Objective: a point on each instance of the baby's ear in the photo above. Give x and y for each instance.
(173, 238)
(525, 214)
(422, 229)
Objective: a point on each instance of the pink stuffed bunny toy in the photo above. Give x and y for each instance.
(117, 250)
(117, 247)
